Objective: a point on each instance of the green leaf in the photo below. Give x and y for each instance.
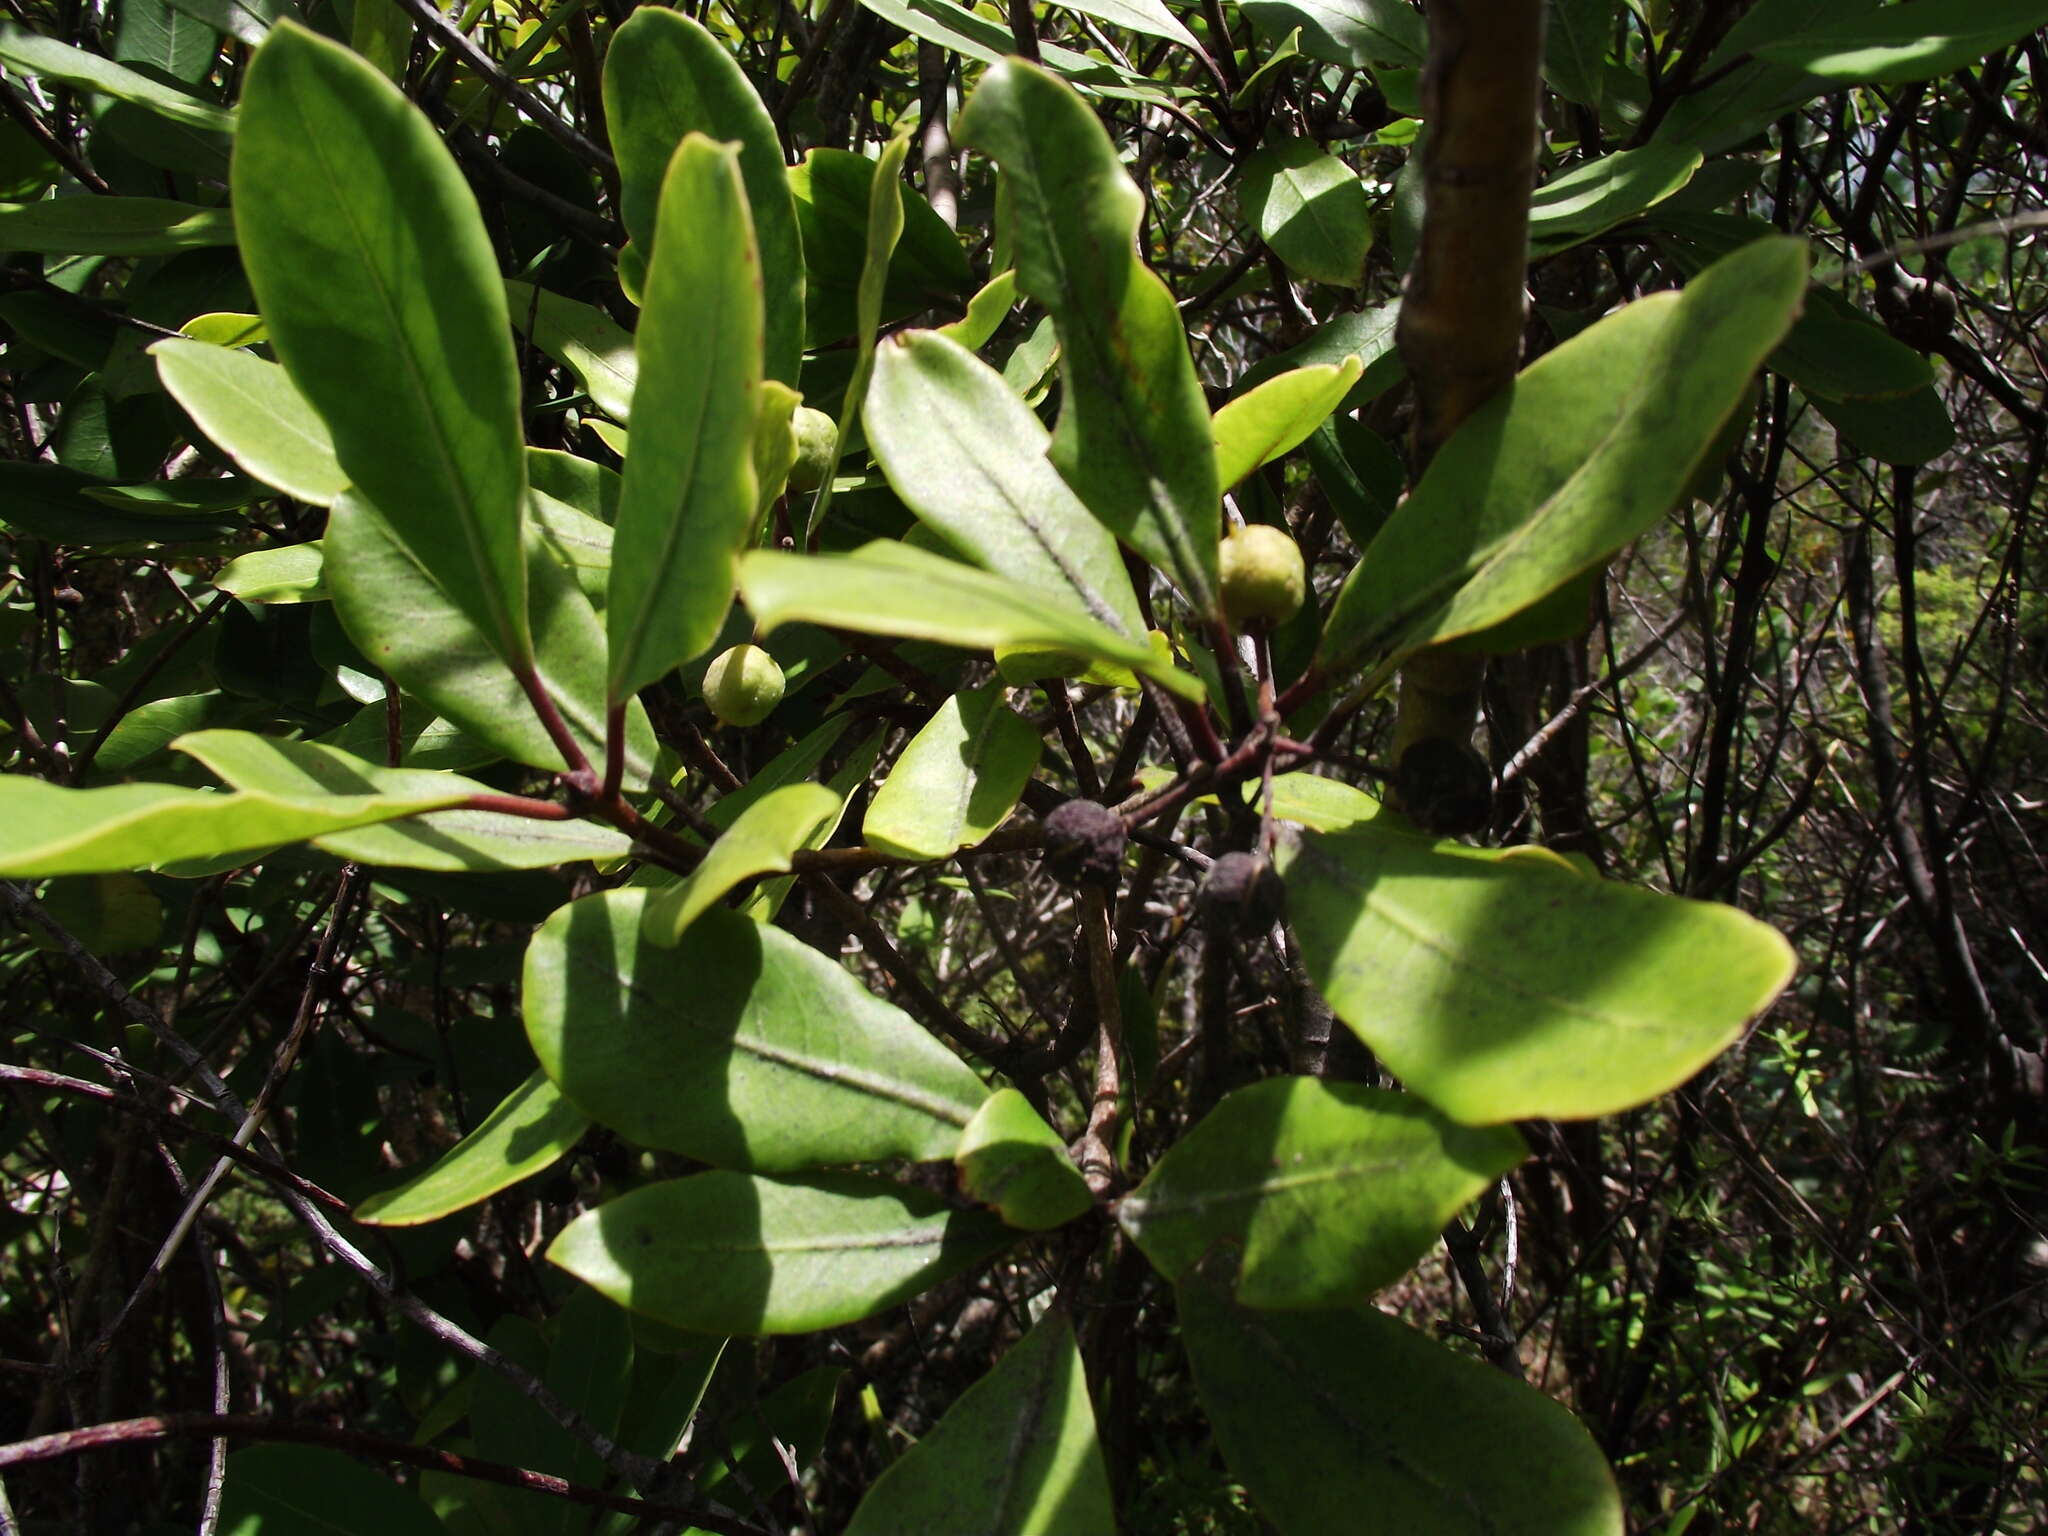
(1011, 1159)
(687, 506)
(47, 830)
(1367, 334)
(1341, 1421)
(1147, 16)
(376, 277)
(403, 623)
(988, 41)
(665, 76)
(1578, 35)
(738, 1045)
(45, 58)
(957, 781)
(255, 414)
(880, 233)
(594, 347)
(736, 1253)
(1277, 416)
(1839, 354)
(532, 1127)
(1311, 208)
(1331, 1190)
(1503, 990)
(1358, 33)
(1905, 43)
(1590, 446)
(112, 226)
(1749, 91)
(1592, 197)
(835, 198)
(1133, 432)
(759, 842)
(448, 840)
(893, 589)
(1015, 1456)
(308, 1490)
(579, 542)
(969, 458)
(986, 312)
(1912, 429)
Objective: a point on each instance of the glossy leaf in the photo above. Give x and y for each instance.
(738, 1045)
(1748, 90)
(687, 505)
(1500, 990)
(290, 1490)
(1359, 33)
(46, 58)
(1150, 17)
(376, 277)
(1351, 1421)
(759, 842)
(969, 458)
(1009, 1158)
(1366, 334)
(594, 347)
(1897, 45)
(1277, 416)
(1598, 194)
(112, 226)
(251, 409)
(666, 76)
(835, 200)
(982, 38)
(1590, 446)
(532, 1128)
(893, 589)
(1331, 1191)
(957, 781)
(580, 543)
(401, 620)
(736, 1253)
(1578, 35)
(1311, 208)
(1133, 431)
(290, 573)
(1015, 1456)
(48, 830)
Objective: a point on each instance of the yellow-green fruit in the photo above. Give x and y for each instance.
(1263, 577)
(743, 685)
(815, 435)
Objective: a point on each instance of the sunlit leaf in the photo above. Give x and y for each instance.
(1009, 1158)
(1311, 208)
(253, 411)
(957, 781)
(532, 1127)
(759, 841)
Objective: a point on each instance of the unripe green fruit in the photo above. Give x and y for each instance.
(816, 435)
(1263, 576)
(743, 685)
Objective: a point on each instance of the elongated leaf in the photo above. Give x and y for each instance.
(48, 830)
(1749, 90)
(880, 233)
(256, 415)
(969, 458)
(666, 76)
(1900, 44)
(1593, 197)
(291, 1490)
(759, 841)
(1360, 33)
(1331, 1191)
(112, 226)
(737, 1045)
(1590, 446)
(532, 1127)
(1578, 35)
(985, 313)
(835, 199)
(582, 338)
(1133, 432)
(45, 58)
(1147, 16)
(1015, 1456)
(581, 543)
(1501, 990)
(1311, 208)
(376, 277)
(1366, 334)
(401, 620)
(1350, 1421)
(1011, 1159)
(735, 1253)
(687, 506)
(1277, 416)
(1912, 429)
(892, 589)
(957, 781)
(973, 35)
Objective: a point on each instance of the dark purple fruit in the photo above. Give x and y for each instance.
(1240, 894)
(1084, 844)
(1445, 787)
